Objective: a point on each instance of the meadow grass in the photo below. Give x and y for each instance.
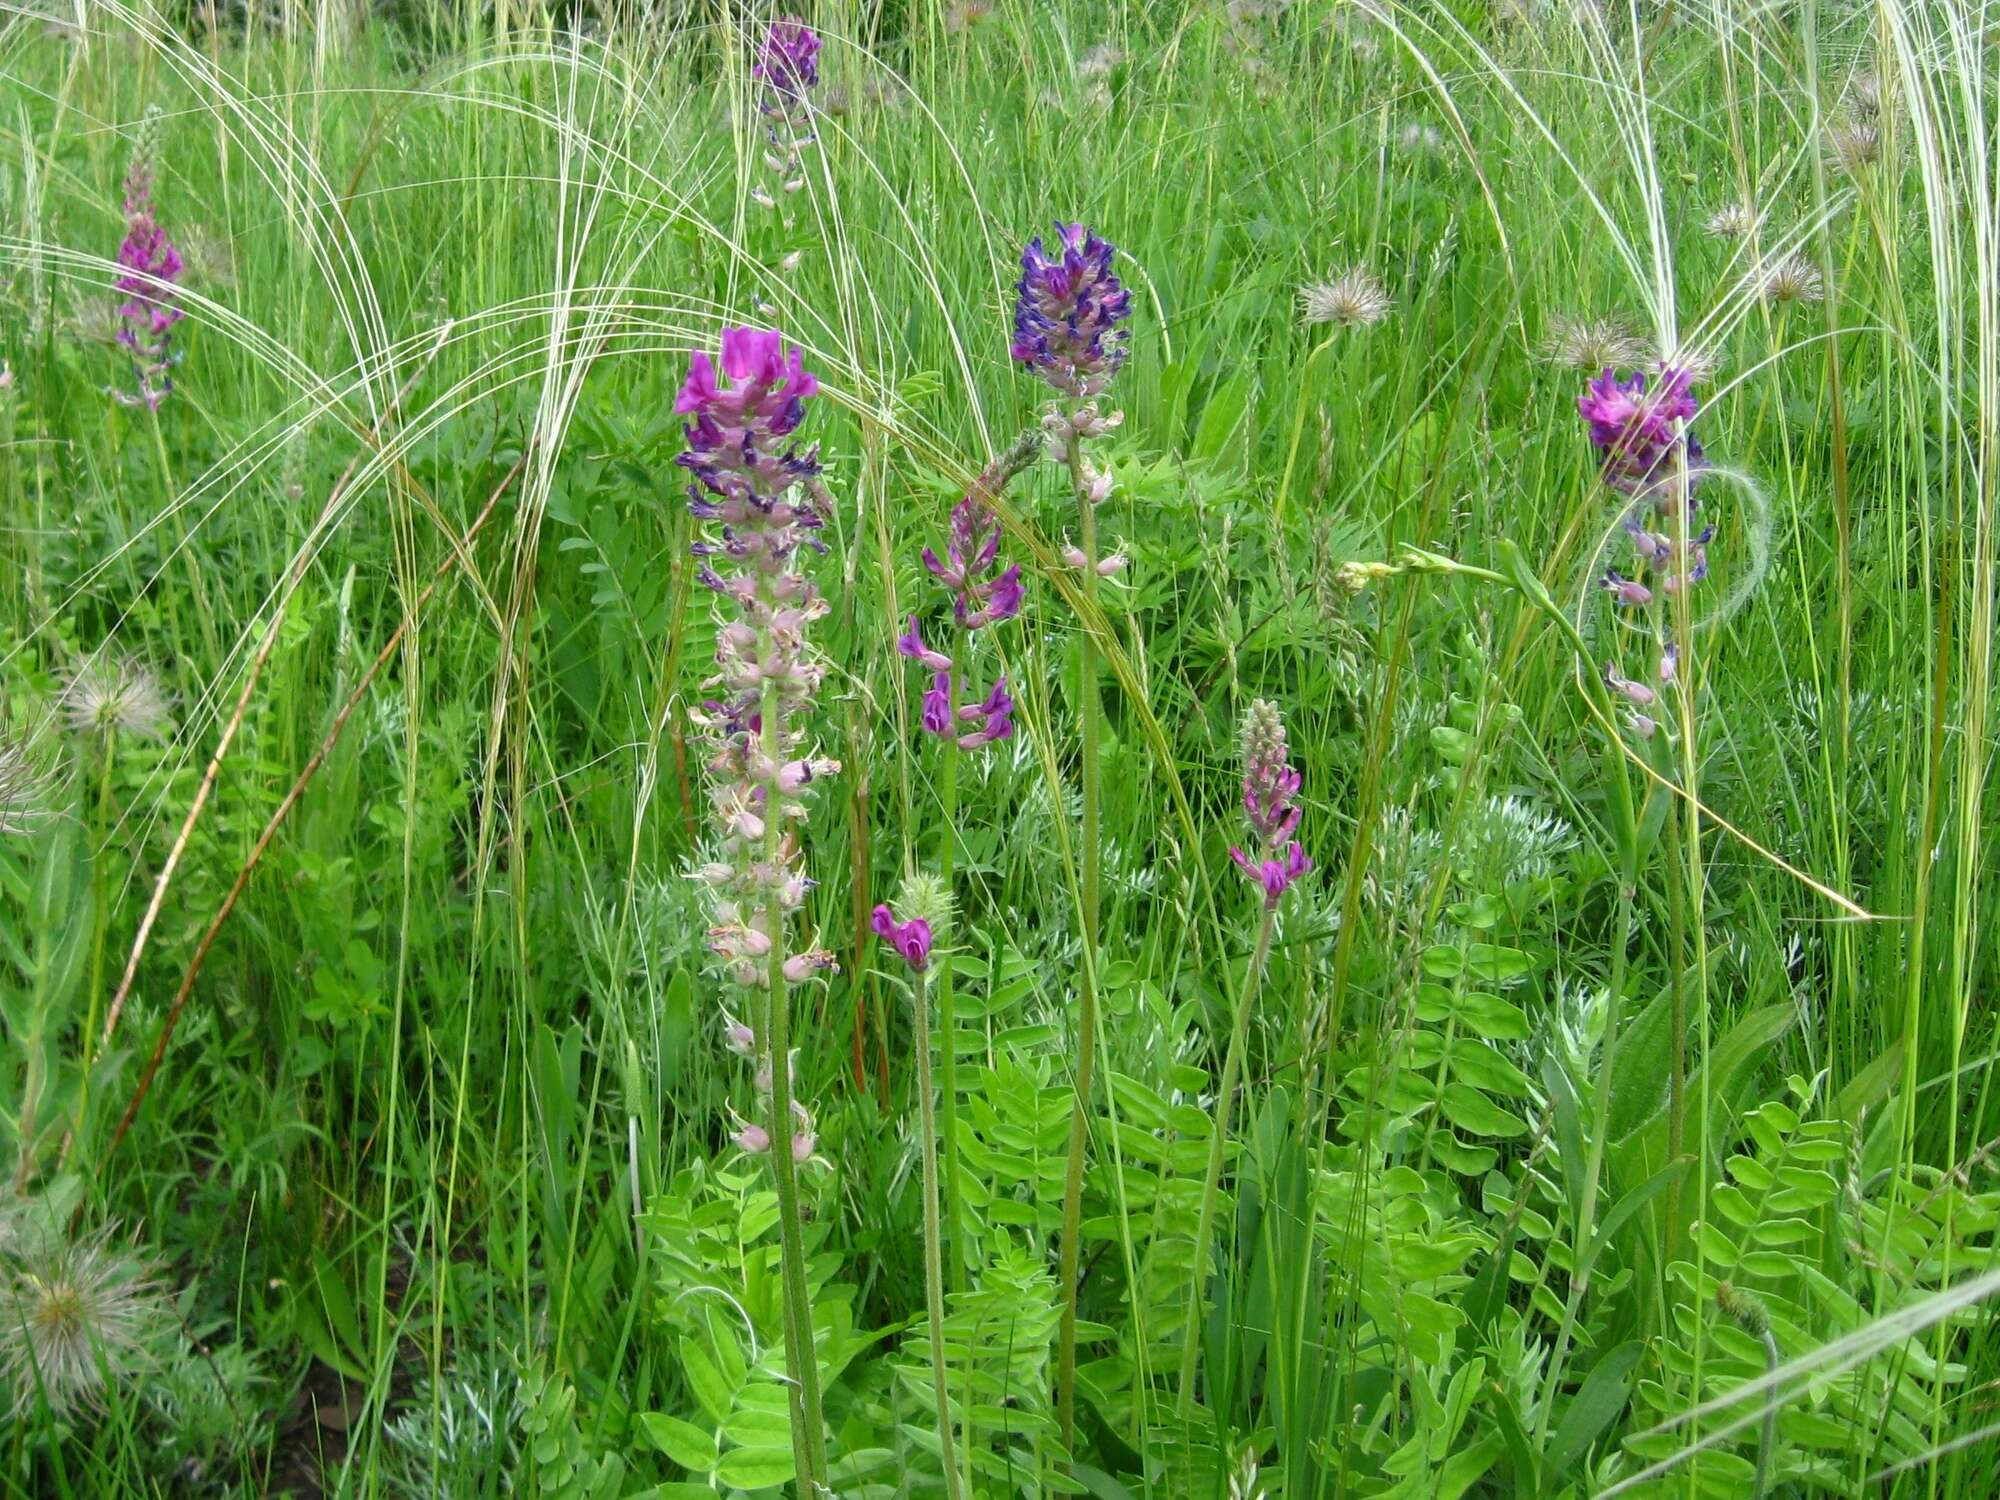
(1614, 1110)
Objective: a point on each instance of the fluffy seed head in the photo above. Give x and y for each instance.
(1353, 298)
(21, 789)
(121, 695)
(1792, 278)
(1732, 221)
(72, 1311)
(1854, 144)
(1593, 344)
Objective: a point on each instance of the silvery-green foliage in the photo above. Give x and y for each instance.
(459, 1436)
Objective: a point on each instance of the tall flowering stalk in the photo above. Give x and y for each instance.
(786, 72)
(1647, 456)
(1272, 862)
(758, 489)
(911, 940)
(149, 268)
(984, 593)
(1069, 315)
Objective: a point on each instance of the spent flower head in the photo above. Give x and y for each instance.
(1733, 220)
(1791, 279)
(22, 791)
(1352, 298)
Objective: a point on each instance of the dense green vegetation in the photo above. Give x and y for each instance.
(367, 1099)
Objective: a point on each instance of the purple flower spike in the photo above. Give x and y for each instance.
(1639, 427)
(1270, 805)
(788, 62)
(912, 939)
(1067, 311)
(150, 268)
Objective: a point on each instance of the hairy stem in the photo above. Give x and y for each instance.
(801, 1359)
(1086, 1050)
(1211, 1182)
(933, 1237)
(947, 1010)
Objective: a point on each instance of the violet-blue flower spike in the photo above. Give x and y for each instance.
(787, 68)
(1270, 805)
(149, 268)
(911, 939)
(1068, 308)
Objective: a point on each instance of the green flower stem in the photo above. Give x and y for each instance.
(933, 1237)
(1211, 1182)
(801, 1358)
(947, 1013)
(1086, 1021)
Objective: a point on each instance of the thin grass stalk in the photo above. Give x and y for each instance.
(1204, 1228)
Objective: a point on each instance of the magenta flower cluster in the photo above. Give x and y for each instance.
(1270, 806)
(1640, 427)
(149, 268)
(788, 63)
(911, 939)
(1069, 308)
(760, 490)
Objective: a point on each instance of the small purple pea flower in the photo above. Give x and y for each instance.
(911, 939)
(994, 715)
(1274, 875)
(937, 705)
(911, 644)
